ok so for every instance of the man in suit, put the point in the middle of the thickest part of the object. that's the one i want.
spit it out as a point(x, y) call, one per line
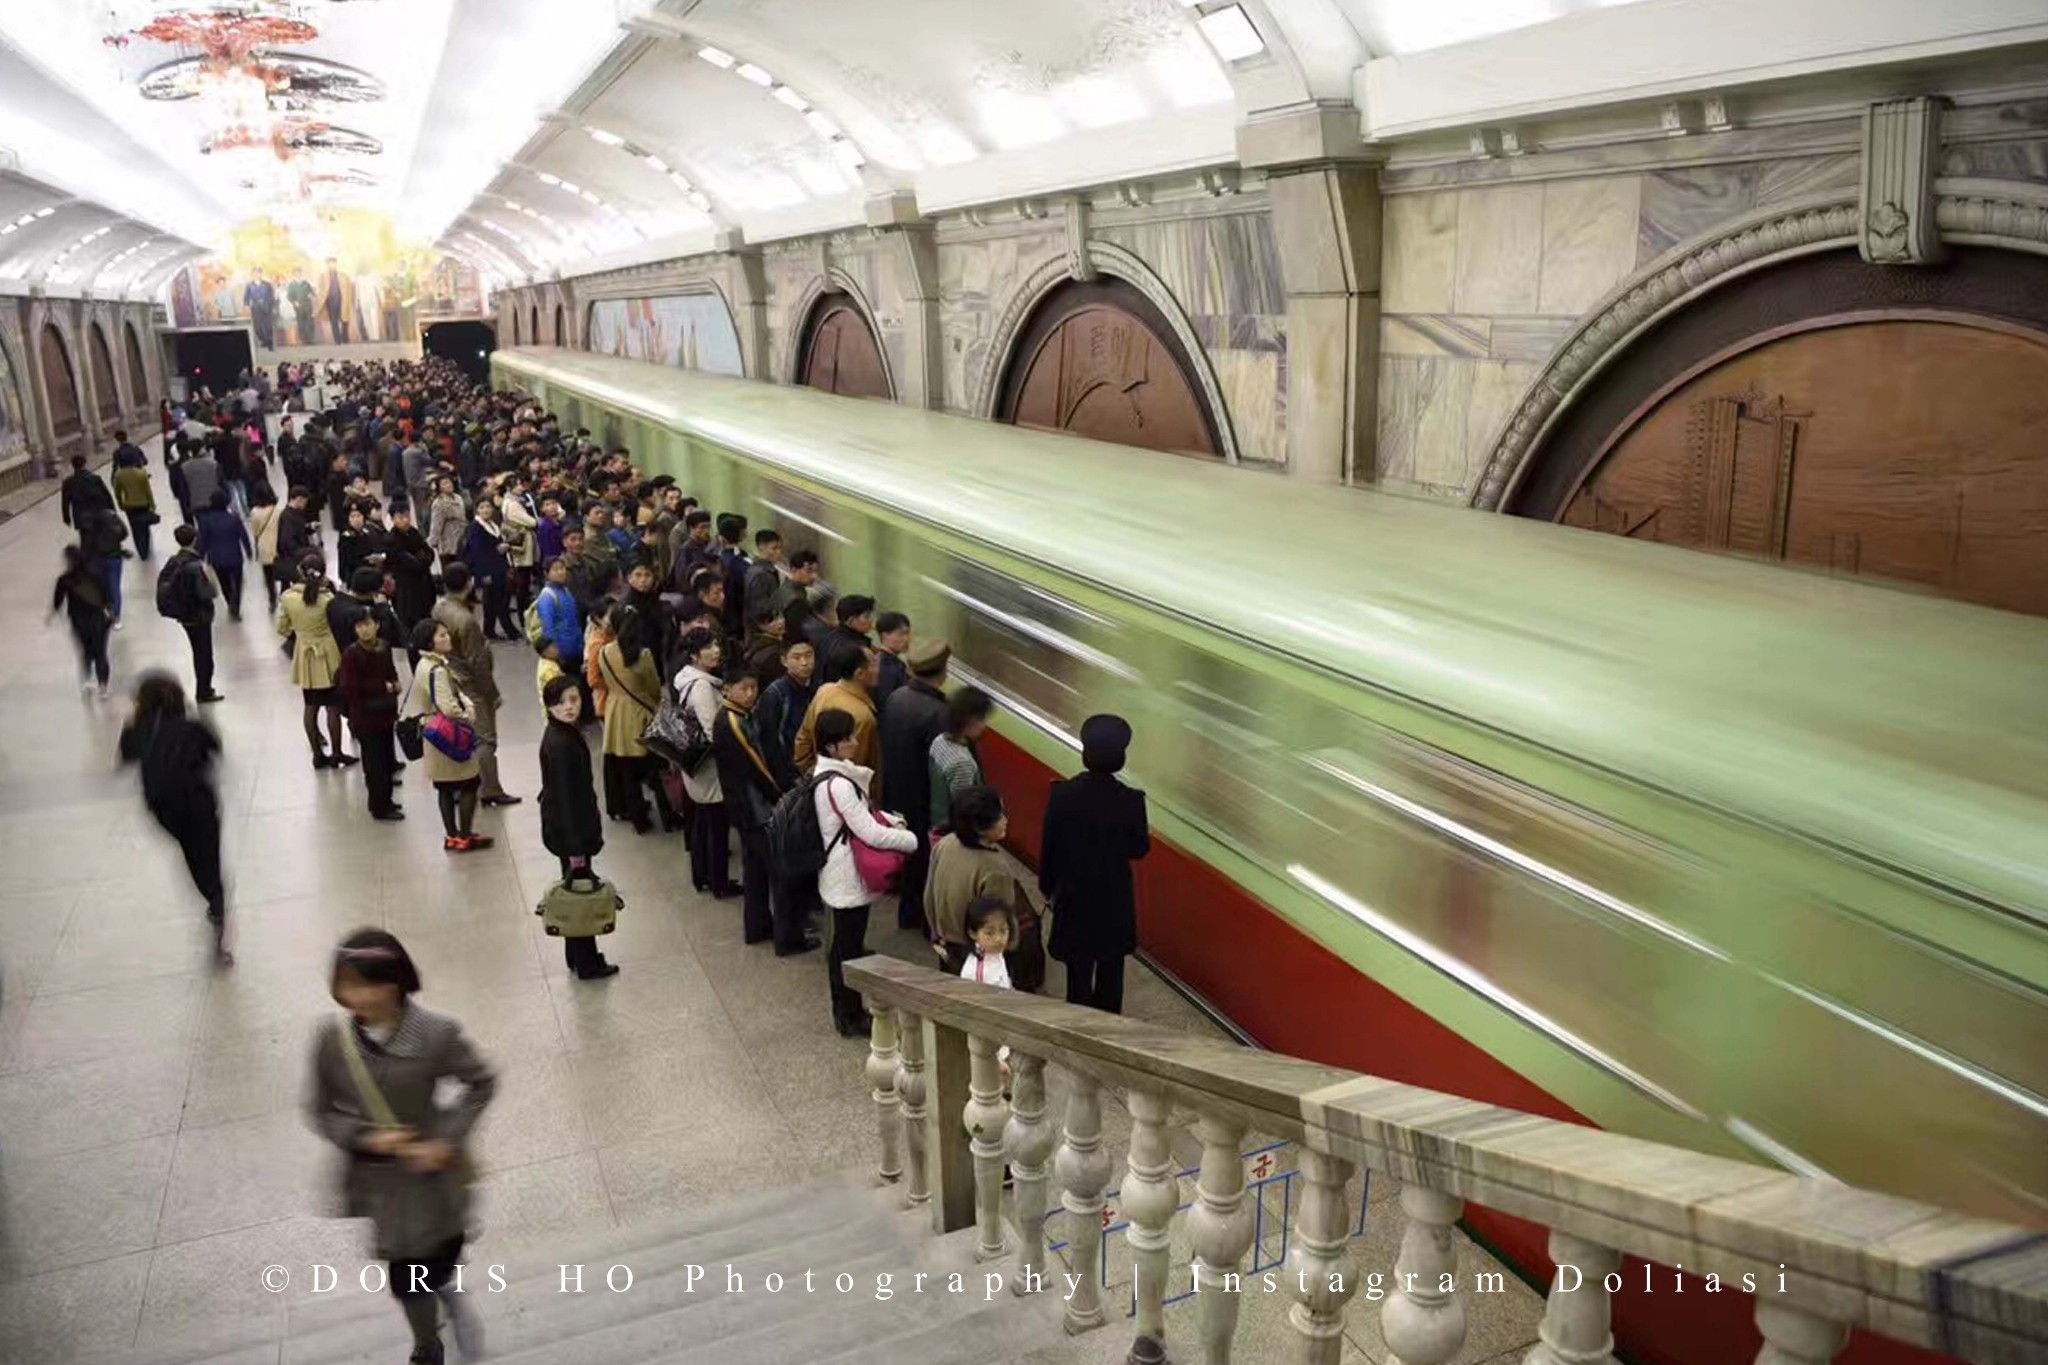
point(337, 300)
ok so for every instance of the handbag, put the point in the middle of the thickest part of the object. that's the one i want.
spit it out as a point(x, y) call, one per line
point(570, 910)
point(879, 869)
point(677, 734)
point(412, 741)
point(374, 1103)
point(456, 739)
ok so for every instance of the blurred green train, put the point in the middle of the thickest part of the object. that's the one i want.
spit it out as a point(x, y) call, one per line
point(1741, 857)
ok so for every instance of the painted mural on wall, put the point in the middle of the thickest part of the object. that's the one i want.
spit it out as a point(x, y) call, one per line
point(343, 279)
point(688, 331)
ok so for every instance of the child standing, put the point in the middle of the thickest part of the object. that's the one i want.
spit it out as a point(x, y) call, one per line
point(549, 669)
point(988, 929)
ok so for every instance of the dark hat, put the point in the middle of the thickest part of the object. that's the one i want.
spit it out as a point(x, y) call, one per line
point(928, 658)
point(1104, 739)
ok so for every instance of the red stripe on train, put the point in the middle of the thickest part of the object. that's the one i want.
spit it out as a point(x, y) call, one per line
point(1297, 997)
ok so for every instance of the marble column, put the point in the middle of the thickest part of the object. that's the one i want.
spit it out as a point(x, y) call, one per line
point(1324, 196)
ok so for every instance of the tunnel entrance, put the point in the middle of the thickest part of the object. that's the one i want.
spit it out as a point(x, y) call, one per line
point(468, 344)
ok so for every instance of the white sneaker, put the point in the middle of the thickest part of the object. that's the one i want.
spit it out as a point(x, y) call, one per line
point(117, 625)
point(106, 694)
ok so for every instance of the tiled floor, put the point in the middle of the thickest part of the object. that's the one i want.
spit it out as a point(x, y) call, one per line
point(152, 1156)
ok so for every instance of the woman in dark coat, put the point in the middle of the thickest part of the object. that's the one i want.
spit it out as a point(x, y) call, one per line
point(1094, 829)
point(378, 1074)
point(570, 826)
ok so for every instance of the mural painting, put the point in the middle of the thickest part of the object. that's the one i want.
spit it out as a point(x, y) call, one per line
point(345, 279)
point(688, 331)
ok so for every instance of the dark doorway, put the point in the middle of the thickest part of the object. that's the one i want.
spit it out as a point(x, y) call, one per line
point(103, 377)
point(561, 326)
point(839, 351)
point(468, 344)
point(60, 389)
point(138, 377)
point(214, 358)
point(1099, 360)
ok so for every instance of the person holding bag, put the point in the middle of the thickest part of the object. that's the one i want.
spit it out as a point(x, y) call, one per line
point(570, 827)
point(444, 715)
point(633, 692)
point(698, 695)
point(853, 834)
point(375, 1073)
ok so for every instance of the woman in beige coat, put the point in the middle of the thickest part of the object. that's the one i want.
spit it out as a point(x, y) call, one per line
point(316, 658)
point(632, 678)
point(456, 780)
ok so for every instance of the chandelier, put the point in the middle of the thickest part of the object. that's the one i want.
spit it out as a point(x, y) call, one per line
point(257, 99)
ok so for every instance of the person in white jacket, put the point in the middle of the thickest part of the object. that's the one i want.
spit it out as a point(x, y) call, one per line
point(843, 816)
point(698, 691)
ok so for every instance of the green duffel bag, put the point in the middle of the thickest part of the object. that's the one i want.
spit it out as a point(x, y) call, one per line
point(582, 907)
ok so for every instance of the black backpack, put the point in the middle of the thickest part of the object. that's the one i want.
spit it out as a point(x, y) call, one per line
point(796, 844)
point(174, 589)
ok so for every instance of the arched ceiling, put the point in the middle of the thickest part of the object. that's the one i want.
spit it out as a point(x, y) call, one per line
point(538, 137)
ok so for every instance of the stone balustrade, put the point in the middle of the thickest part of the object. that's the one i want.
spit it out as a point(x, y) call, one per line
point(1824, 1257)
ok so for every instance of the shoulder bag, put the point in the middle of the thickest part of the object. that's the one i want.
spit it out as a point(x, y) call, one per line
point(677, 734)
point(375, 1106)
point(456, 739)
point(879, 868)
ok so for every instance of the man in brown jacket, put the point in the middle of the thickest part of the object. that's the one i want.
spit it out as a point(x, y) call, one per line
point(853, 693)
point(473, 669)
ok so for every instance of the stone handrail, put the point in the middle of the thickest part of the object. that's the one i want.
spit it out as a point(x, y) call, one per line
point(1965, 1286)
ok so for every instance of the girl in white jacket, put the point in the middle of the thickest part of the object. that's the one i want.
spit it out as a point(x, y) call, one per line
point(698, 689)
point(843, 816)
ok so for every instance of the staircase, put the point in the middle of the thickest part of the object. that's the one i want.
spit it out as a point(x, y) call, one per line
point(672, 1316)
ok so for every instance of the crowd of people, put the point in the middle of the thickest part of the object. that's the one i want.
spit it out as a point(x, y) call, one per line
point(734, 699)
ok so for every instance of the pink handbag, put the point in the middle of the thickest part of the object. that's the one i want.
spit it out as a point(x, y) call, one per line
point(879, 869)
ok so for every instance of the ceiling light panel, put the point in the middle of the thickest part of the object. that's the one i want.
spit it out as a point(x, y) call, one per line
point(749, 72)
point(1231, 33)
point(791, 98)
point(718, 57)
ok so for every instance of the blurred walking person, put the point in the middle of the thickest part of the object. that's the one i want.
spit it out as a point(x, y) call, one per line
point(176, 754)
point(82, 593)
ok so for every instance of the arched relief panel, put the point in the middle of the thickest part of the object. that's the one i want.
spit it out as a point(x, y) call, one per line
point(105, 387)
point(16, 417)
point(838, 347)
point(691, 328)
point(1149, 303)
point(1893, 443)
point(139, 388)
point(62, 399)
point(1097, 360)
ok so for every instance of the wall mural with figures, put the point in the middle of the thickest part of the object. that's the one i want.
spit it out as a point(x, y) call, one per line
point(345, 280)
point(688, 331)
point(13, 421)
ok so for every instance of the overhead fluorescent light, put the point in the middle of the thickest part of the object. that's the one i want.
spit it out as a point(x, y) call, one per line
point(588, 196)
point(699, 200)
point(718, 57)
point(8, 228)
point(749, 72)
point(680, 181)
point(821, 123)
point(1230, 32)
point(513, 204)
point(570, 186)
point(656, 163)
point(547, 179)
point(609, 139)
point(791, 98)
point(46, 212)
point(26, 219)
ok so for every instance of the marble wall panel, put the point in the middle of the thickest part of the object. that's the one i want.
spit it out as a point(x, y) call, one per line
point(1254, 385)
point(1436, 334)
point(2024, 159)
point(1500, 249)
point(1589, 240)
point(1419, 253)
point(1797, 177)
point(976, 279)
point(1422, 417)
point(1497, 388)
point(1679, 205)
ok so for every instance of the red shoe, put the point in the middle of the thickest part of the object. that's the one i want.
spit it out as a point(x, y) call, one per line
point(477, 841)
point(454, 843)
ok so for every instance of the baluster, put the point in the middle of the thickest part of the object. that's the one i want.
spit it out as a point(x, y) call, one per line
point(1322, 1230)
point(881, 1074)
point(1028, 1140)
point(1083, 1168)
point(984, 1117)
point(1795, 1337)
point(1220, 1226)
point(1578, 1316)
point(1424, 1325)
point(1151, 1195)
point(910, 1097)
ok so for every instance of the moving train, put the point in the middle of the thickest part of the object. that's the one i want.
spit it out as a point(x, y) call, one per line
point(1741, 857)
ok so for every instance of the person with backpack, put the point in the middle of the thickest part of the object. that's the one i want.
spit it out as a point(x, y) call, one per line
point(185, 593)
point(176, 755)
point(570, 827)
point(698, 694)
point(846, 822)
point(83, 594)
